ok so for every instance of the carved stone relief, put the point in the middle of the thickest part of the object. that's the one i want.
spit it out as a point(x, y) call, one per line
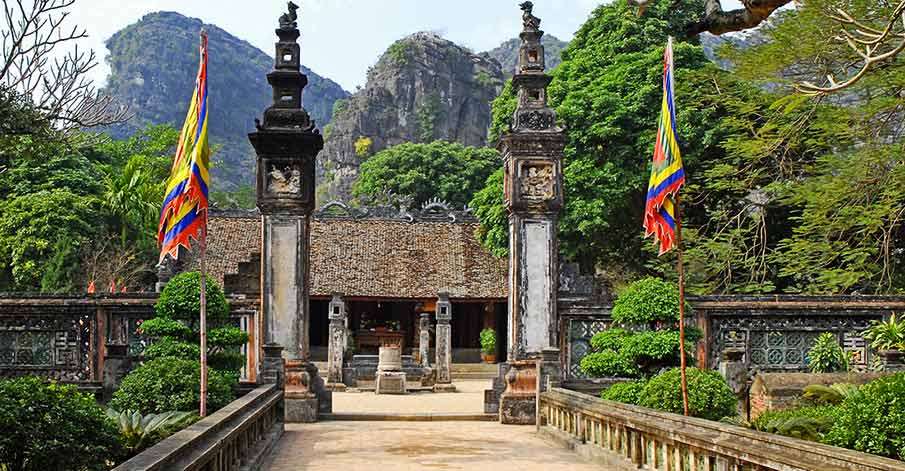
point(537, 182)
point(283, 181)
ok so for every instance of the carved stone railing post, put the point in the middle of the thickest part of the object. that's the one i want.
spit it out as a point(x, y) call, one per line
point(424, 339)
point(273, 365)
point(444, 345)
point(337, 344)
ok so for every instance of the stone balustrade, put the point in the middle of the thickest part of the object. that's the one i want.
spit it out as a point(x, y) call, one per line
point(623, 436)
point(236, 437)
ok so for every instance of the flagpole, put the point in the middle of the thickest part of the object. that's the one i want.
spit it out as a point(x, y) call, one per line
point(203, 283)
point(681, 301)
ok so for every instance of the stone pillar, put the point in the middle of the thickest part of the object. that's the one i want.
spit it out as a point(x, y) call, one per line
point(532, 187)
point(337, 344)
point(444, 345)
point(424, 339)
point(287, 143)
point(735, 370)
point(273, 365)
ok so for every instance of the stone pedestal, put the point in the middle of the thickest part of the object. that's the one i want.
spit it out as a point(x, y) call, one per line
point(424, 339)
point(390, 377)
point(305, 393)
point(273, 365)
point(117, 364)
point(518, 404)
point(444, 346)
point(337, 344)
point(735, 370)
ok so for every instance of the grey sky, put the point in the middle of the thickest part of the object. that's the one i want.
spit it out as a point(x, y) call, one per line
point(342, 38)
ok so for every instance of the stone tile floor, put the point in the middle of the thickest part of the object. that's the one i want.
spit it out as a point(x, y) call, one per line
point(469, 398)
point(405, 446)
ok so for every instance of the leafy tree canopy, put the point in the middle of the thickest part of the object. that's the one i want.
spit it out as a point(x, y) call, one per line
point(446, 170)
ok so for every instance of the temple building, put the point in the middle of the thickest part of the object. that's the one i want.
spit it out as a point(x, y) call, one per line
point(389, 265)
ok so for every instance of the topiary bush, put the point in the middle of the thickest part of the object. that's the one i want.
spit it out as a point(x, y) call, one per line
point(608, 363)
point(181, 299)
point(826, 355)
point(631, 392)
point(709, 397)
point(168, 384)
point(610, 339)
point(51, 426)
point(648, 301)
point(873, 421)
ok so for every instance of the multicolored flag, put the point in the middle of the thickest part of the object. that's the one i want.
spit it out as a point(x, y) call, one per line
point(184, 213)
point(667, 174)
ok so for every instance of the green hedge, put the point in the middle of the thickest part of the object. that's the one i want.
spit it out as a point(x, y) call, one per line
point(608, 363)
point(631, 392)
point(168, 384)
point(709, 397)
point(807, 423)
point(48, 426)
point(873, 421)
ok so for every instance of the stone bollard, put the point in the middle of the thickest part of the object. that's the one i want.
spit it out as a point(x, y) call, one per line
point(336, 344)
point(444, 346)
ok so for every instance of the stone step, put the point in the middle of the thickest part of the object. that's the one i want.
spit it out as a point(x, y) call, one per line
point(422, 417)
point(473, 368)
point(472, 375)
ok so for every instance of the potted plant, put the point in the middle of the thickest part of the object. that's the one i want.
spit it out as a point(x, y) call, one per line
point(488, 345)
point(888, 337)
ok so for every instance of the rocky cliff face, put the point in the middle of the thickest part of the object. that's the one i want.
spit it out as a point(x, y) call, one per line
point(507, 53)
point(423, 88)
point(153, 67)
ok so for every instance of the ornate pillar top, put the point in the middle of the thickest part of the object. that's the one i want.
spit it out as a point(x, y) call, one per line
point(531, 80)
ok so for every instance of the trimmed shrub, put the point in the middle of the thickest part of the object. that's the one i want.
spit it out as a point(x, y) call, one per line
point(170, 347)
point(610, 339)
point(631, 392)
point(180, 298)
point(659, 346)
point(171, 384)
point(826, 356)
point(873, 421)
point(165, 327)
point(608, 363)
point(648, 301)
point(709, 397)
point(52, 426)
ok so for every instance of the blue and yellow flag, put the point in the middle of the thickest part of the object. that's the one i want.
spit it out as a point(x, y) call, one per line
point(184, 213)
point(667, 174)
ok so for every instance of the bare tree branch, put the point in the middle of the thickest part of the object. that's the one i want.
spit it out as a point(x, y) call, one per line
point(871, 44)
point(57, 84)
point(717, 21)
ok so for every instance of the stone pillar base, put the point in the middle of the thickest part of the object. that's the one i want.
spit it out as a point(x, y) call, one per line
point(335, 387)
point(390, 382)
point(518, 409)
point(444, 388)
point(304, 384)
point(300, 408)
point(428, 377)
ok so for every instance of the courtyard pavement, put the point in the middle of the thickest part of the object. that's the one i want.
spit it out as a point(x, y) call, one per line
point(469, 399)
point(410, 446)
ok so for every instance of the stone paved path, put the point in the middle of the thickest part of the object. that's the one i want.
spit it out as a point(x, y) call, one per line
point(469, 399)
point(410, 446)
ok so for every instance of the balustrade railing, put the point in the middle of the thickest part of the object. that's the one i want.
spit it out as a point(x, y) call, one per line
point(237, 437)
point(630, 437)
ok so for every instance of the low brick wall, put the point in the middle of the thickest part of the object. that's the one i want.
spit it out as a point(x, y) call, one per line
point(237, 437)
point(771, 391)
point(622, 436)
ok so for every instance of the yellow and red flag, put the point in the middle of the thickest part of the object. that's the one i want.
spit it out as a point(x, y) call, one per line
point(184, 212)
point(667, 174)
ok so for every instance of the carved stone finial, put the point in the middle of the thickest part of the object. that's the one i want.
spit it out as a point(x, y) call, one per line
point(530, 22)
point(288, 20)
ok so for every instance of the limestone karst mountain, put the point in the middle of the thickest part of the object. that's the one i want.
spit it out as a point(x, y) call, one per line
point(153, 66)
point(507, 53)
point(423, 88)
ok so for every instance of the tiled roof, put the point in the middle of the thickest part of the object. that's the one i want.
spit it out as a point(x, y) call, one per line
point(374, 257)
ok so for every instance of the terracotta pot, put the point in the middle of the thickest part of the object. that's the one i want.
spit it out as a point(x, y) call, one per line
point(488, 357)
